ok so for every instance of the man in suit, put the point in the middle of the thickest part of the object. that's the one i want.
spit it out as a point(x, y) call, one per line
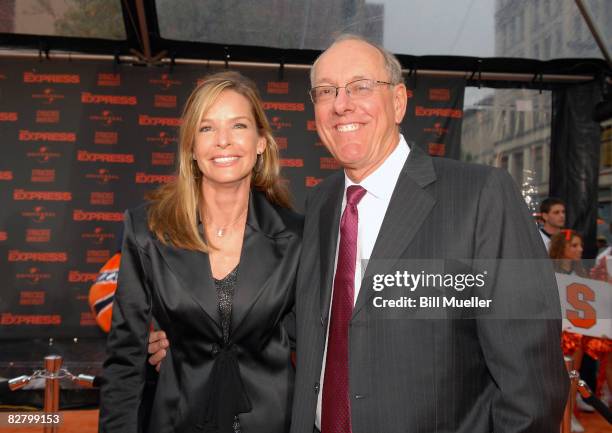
point(364, 368)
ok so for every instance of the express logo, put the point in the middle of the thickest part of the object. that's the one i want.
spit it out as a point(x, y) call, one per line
point(98, 236)
point(6, 175)
point(164, 81)
point(292, 162)
point(146, 120)
point(163, 139)
point(7, 319)
point(32, 77)
point(284, 106)
point(33, 276)
point(38, 214)
point(27, 135)
point(311, 181)
point(437, 129)
point(328, 163)
point(277, 123)
point(103, 176)
point(106, 118)
point(3, 236)
point(91, 98)
point(43, 155)
point(48, 96)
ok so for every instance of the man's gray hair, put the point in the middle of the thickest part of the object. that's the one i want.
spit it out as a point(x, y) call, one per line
point(392, 65)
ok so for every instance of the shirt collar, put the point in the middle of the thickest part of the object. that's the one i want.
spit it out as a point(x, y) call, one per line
point(381, 182)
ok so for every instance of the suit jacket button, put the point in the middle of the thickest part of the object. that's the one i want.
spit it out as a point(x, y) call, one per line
point(215, 349)
point(316, 388)
point(359, 396)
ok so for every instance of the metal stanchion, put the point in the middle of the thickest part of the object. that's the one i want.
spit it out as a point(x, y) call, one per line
point(566, 424)
point(53, 363)
point(52, 373)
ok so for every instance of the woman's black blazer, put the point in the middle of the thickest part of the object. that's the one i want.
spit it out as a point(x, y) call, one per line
point(175, 287)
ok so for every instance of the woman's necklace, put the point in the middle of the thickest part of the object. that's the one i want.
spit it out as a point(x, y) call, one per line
point(221, 231)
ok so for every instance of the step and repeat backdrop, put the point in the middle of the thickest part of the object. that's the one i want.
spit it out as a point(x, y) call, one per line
point(80, 142)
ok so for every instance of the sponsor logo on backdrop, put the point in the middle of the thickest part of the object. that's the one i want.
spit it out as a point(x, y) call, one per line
point(87, 319)
point(93, 98)
point(22, 194)
point(9, 116)
point(31, 298)
point(117, 158)
point(146, 120)
point(81, 277)
point(25, 135)
point(108, 79)
point(98, 236)
point(38, 235)
point(437, 129)
point(164, 101)
point(278, 87)
point(103, 176)
point(97, 256)
point(442, 94)
point(38, 214)
point(311, 125)
point(3, 236)
point(164, 81)
point(281, 142)
point(31, 77)
point(163, 139)
point(48, 96)
point(436, 149)
point(106, 117)
point(81, 215)
point(142, 177)
point(102, 198)
point(33, 276)
point(284, 106)
point(328, 163)
point(42, 175)
point(37, 256)
point(43, 155)
point(47, 116)
point(106, 137)
point(30, 319)
point(277, 123)
point(292, 162)
point(162, 158)
point(454, 113)
point(311, 181)
point(6, 175)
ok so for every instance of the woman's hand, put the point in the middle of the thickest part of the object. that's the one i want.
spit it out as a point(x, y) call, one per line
point(158, 343)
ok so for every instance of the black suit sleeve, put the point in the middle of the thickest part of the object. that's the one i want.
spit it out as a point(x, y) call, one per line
point(520, 339)
point(125, 367)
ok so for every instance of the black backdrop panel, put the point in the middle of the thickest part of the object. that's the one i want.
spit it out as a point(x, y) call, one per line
point(80, 142)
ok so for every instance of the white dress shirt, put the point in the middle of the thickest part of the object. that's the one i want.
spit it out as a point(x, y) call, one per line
point(372, 208)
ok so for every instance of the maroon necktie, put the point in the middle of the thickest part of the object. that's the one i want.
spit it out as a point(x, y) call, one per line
point(336, 407)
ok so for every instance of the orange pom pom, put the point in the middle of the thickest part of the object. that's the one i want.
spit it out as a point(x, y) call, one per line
point(102, 292)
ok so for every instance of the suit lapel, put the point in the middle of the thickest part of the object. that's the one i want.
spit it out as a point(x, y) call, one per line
point(192, 270)
point(409, 206)
point(262, 249)
point(329, 221)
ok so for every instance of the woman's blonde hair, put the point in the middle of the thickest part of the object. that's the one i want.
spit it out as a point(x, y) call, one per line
point(173, 209)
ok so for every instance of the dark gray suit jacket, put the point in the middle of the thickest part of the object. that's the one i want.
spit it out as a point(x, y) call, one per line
point(438, 370)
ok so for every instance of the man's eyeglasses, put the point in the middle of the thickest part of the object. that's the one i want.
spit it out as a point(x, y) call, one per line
point(355, 90)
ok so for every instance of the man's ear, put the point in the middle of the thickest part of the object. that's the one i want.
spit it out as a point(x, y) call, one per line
point(400, 102)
